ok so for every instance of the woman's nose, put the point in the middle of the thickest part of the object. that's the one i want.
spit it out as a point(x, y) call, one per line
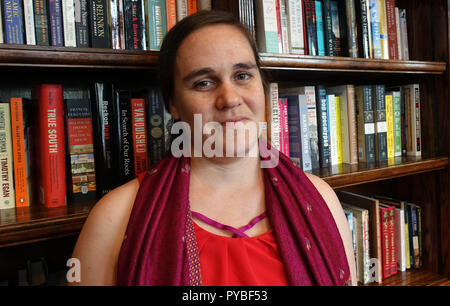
point(228, 97)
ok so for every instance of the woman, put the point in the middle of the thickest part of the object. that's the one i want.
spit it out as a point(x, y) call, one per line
point(182, 223)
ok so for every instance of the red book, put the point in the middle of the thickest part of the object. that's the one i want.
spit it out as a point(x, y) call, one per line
point(391, 29)
point(385, 241)
point(280, 41)
point(139, 135)
point(50, 145)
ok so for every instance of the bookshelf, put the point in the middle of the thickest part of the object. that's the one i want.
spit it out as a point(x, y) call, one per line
point(424, 180)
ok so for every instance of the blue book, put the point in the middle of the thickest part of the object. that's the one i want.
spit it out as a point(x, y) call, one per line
point(322, 126)
point(12, 21)
point(55, 22)
point(319, 28)
point(375, 25)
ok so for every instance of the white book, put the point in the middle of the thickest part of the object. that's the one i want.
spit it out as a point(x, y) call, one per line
point(68, 11)
point(115, 23)
point(294, 12)
point(28, 16)
point(182, 9)
point(284, 27)
point(7, 194)
point(267, 26)
point(274, 117)
point(333, 138)
point(400, 237)
point(404, 34)
point(399, 37)
point(1, 26)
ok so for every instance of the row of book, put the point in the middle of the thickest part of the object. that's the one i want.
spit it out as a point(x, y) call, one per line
point(81, 148)
point(319, 126)
point(117, 24)
point(386, 234)
point(355, 28)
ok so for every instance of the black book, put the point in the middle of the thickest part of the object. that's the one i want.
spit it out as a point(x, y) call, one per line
point(41, 22)
point(363, 28)
point(328, 27)
point(82, 23)
point(98, 24)
point(104, 126)
point(310, 22)
point(155, 127)
point(134, 25)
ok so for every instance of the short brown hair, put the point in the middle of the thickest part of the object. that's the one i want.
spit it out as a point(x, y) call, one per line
point(175, 37)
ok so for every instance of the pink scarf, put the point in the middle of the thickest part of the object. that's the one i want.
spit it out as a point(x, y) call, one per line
point(160, 248)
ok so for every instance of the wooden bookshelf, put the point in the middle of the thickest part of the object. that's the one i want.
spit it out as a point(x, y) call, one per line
point(412, 277)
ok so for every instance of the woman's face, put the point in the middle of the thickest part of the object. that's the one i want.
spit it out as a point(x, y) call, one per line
point(216, 76)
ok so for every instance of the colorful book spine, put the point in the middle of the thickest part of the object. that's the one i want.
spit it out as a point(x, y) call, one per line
point(157, 23)
point(139, 127)
point(28, 17)
point(310, 93)
point(40, 22)
point(352, 125)
point(80, 150)
point(379, 102)
point(400, 238)
point(311, 29)
point(375, 26)
point(284, 126)
point(332, 128)
point(191, 7)
point(19, 126)
point(304, 133)
point(319, 29)
point(390, 127)
point(361, 15)
point(284, 27)
point(391, 29)
point(55, 21)
point(418, 262)
point(294, 11)
point(323, 130)
point(82, 23)
point(98, 24)
point(13, 28)
point(134, 32)
point(335, 27)
point(393, 244)
point(7, 194)
point(396, 107)
point(274, 117)
point(327, 27)
point(366, 124)
point(267, 31)
point(182, 10)
point(352, 30)
point(171, 13)
point(155, 119)
point(115, 24)
point(52, 179)
point(68, 12)
point(295, 140)
point(399, 37)
point(383, 29)
point(338, 129)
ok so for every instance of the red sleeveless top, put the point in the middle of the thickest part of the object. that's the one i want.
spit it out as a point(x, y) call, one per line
point(240, 261)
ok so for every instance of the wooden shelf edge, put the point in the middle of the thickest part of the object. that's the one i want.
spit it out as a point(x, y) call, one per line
point(413, 277)
point(386, 172)
point(49, 56)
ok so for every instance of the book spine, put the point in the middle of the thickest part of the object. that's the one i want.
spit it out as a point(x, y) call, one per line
point(404, 34)
point(383, 29)
point(332, 129)
point(7, 194)
point(80, 150)
point(311, 30)
point(352, 32)
point(182, 10)
point(319, 29)
point(407, 237)
point(171, 13)
point(155, 119)
point(284, 27)
point(327, 27)
point(139, 127)
point(352, 125)
point(267, 31)
point(55, 21)
point(366, 248)
point(12, 21)
point(390, 127)
point(125, 136)
point(285, 126)
point(1, 24)
point(380, 122)
point(304, 133)
point(281, 121)
point(399, 37)
point(385, 241)
point(121, 18)
point(391, 29)
point(415, 238)
point(294, 10)
point(396, 105)
point(28, 15)
point(274, 117)
point(295, 149)
point(52, 181)
point(310, 93)
point(364, 28)
point(335, 26)
point(419, 234)
point(369, 30)
point(40, 22)
point(134, 32)
point(19, 154)
point(98, 24)
point(375, 25)
point(322, 116)
point(81, 23)
point(157, 23)
point(415, 138)
point(392, 236)
point(338, 129)
point(400, 239)
point(68, 12)
point(191, 7)
point(366, 124)
point(115, 24)
point(279, 35)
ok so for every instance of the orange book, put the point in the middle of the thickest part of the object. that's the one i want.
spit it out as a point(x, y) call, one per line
point(192, 7)
point(171, 11)
point(19, 154)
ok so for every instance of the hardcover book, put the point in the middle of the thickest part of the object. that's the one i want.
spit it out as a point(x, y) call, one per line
point(156, 122)
point(68, 12)
point(379, 104)
point(82, 23)
point(267, 26)
point(139, 128)
point(366, 124)
point(98, 24)
point(296, 26)
point(134, 21)
point(28, 17)
point(157, 23)
point(7, 194)
point(322, 126)
point(41, 22)
point(13, 28)
point(55, 21)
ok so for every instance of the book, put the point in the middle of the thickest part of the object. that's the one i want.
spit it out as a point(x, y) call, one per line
point(98, 24)
point(41, 22)
point(28, 18)
point(295, 137)
point(1, 25)
point(335, 26)
point(398, 30)
point(327, 27)
point(82, 23)
point(171, 13)
point(51, 149)
point(390, 127)
point(332, 129)
point(321, 51)
point(397, 120)
point(296, 26)
point(157, 23)
point(81, 181)
point(284, 131)
point(379, 104)
point(337, 104)
point(310, 93)
point(322, 126)
point(7, 193)
point(21, 125)
point(125, 146)
point(352, 29)
point(284, 27)
point(311, 28)
point(391, 29)
point(139, 128)
point(156, 121)
point(413, 224)
point(366, 124)
point(375, 27)
point(13, 29)
point(267, 26)
point(115, 23)
point(403, 34)
point(418, 260)
point(134, 21)
point(68, 13)
point(372, 205)
point(273, 116)
point(182, 9)
point(413, 115)
point(387, 232)
point(383, 29)
point(55, 21)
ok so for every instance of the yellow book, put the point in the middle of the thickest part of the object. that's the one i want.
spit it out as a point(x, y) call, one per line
point(408, 261)
point(338, 129)
point(383, 29)
point(390, 127)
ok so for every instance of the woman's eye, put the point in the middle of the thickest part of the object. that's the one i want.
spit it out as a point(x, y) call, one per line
point(202, 84)
point(243, 76)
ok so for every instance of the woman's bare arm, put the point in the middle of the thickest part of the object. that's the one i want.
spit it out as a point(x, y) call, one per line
point(335, 207)
point(99, 242)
